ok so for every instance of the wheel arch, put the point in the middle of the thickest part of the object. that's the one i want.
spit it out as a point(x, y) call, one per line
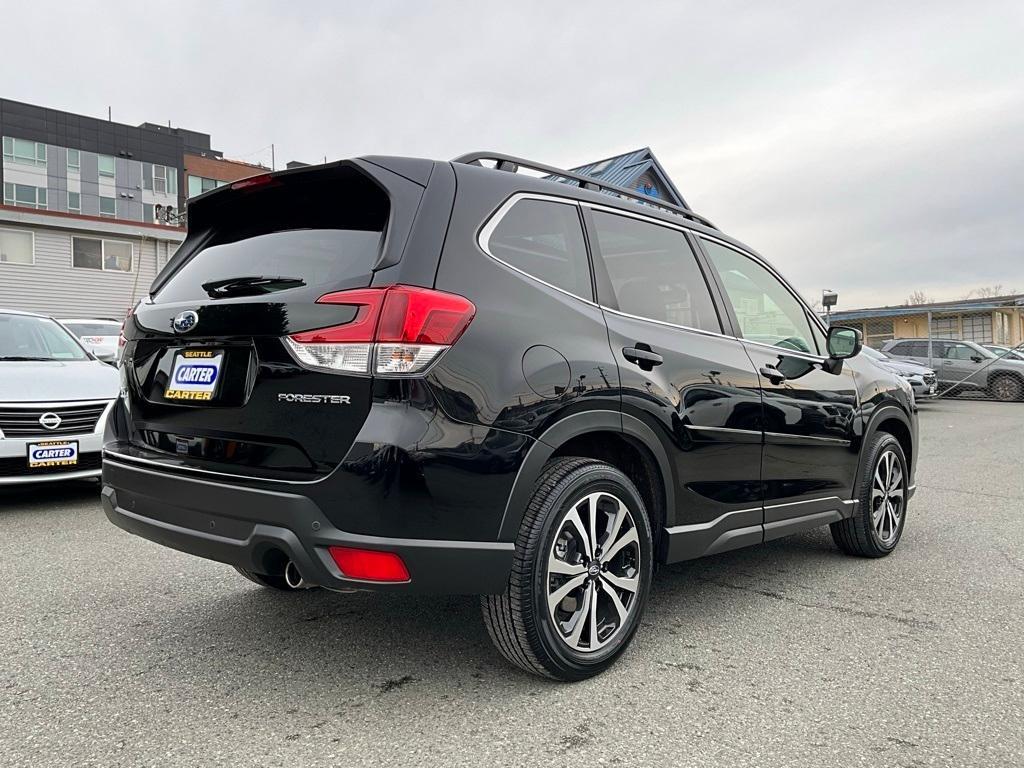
point(621, 440)
point(893, 420)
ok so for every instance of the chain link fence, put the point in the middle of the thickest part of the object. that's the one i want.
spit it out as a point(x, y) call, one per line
point(976, 355)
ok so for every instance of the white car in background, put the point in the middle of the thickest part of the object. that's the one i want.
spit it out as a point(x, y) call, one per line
point(54, 401)
point(98, 335)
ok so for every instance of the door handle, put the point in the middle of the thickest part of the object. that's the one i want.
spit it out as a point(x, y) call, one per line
point(642, 357)
point(774, 375)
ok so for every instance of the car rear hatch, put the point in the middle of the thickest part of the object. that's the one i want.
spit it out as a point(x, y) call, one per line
point(213, 382)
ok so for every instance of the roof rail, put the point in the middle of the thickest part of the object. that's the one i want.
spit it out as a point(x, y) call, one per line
point(513, 164)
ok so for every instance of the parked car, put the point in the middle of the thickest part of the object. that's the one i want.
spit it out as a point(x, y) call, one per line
point(922, 379)
point(437, 377)
point(964, 366)
point(98, 335)
point(54, 397)
point(1010, 353)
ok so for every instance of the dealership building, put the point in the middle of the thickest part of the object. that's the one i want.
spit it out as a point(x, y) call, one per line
point(995, 320)
point(91, 208)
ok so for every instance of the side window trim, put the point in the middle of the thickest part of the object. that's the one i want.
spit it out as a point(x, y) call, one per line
point(484, 235)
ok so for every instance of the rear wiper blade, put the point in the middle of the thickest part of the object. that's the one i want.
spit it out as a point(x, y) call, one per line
point(254, 285)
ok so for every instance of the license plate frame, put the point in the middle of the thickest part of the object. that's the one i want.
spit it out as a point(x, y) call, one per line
point(195, 375)
point(47, 454)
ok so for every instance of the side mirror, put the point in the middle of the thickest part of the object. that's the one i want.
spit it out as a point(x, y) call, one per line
point(843, 343)
point(977, 358)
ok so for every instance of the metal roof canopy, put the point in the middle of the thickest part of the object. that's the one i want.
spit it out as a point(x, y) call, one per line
point(623, 170)
point(969, 305)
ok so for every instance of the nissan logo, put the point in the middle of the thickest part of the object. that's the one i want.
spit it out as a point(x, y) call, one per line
point(185, 322)
point(49, 420)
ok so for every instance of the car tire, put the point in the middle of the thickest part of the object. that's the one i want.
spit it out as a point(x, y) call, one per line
point(271, 581)
point(877, 523)
point(1006, 387)
point(580, 576)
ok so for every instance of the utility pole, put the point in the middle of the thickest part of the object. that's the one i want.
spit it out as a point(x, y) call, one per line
point(273, 162)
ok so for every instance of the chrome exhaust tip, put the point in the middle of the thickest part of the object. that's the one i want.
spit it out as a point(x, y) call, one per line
point(293, 578)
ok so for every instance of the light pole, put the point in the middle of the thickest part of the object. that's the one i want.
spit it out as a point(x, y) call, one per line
point(829, 300)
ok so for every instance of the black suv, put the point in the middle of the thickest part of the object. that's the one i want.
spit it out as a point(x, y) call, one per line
point(456, 377)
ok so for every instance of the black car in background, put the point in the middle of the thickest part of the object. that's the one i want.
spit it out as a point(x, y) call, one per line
point(450, 377)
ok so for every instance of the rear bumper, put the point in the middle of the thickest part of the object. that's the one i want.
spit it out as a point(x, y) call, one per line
point(252, 528)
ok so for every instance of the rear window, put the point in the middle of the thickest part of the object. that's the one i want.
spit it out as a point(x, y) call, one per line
point(94, 329)
point(910, 349)
point(323, 232)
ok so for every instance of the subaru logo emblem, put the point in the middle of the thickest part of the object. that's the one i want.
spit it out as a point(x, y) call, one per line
point(185, 322)
point(49, 420)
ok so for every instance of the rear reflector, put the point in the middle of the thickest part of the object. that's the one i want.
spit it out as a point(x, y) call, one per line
point(402, 327)
point(369, 564)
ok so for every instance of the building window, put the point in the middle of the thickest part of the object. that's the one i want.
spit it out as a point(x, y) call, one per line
point(977, 328)
point(165, 180)
point(24, 151)
point(106, 165)
point(24, 195)
point(147, 213)
point(199, 184)
point(17, 247)
point(106, 255)
point(946, 327)
point(74, 202)
point(74, 160)
point(108, 207)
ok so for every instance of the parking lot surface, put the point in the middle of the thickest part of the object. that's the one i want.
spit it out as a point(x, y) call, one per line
point(116, 651)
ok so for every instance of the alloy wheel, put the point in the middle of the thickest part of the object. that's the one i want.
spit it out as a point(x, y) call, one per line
point(593, 572)
point(888, 495)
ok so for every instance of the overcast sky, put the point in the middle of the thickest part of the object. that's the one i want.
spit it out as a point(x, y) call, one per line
point(873, 149)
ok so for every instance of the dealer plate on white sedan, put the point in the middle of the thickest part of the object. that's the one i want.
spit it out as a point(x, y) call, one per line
point(52, 453)
point(194, 375)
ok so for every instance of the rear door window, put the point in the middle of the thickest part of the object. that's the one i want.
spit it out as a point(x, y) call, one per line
point(653, 272)
point(544, 239)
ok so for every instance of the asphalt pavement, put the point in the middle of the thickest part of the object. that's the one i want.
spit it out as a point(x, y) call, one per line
point(117, 652)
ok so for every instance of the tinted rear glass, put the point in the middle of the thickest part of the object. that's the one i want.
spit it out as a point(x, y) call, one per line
point(314, 257)
point(321, 230)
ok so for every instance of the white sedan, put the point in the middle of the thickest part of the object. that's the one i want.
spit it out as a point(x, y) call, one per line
point(54, 401)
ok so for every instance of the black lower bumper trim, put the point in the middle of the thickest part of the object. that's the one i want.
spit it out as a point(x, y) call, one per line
point(252, 528)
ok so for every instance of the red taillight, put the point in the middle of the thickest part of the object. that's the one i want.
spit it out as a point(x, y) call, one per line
point(263, 180)
point(369, 564)
point(404, 327)
point(423, 316)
